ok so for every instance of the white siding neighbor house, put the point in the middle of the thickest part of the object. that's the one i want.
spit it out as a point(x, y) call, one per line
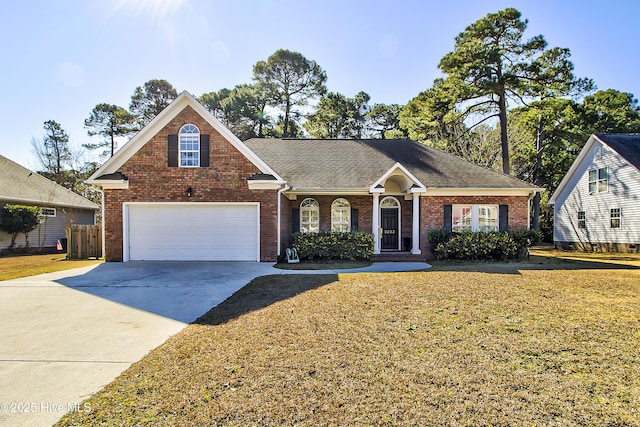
point(597, 204)
point(60, 207)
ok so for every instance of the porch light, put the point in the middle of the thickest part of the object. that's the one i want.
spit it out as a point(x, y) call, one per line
point(189, 191)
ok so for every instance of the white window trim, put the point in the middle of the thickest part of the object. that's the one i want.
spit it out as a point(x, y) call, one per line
point(618, 217)
point(475, 216)
point(180, 150)
point(598, 180)
point(584, 220)
point(345, 207)
point(309, 205)
point(53, 212)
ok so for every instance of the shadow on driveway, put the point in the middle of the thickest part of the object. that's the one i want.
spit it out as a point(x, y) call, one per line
point(181, 291)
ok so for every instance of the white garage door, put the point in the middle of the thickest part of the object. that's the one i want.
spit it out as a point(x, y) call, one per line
point(192, 231)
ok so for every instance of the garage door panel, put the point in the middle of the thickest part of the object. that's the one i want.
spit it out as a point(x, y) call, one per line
point(227, 232)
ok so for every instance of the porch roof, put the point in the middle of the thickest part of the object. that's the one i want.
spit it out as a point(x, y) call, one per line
point(357, 164)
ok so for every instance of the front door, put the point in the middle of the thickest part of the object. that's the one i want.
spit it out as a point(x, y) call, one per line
point(389, 228)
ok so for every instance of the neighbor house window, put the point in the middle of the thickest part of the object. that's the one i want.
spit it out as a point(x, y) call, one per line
point(51, 212)
point(616, 216)
point(189, 146)
point(582, 219)
point(309, 216)
point(340, 216)
point(474, 218)
point(598, 180)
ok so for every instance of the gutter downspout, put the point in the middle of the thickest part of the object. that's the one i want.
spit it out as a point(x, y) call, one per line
point(104, 255)
point(280, 192)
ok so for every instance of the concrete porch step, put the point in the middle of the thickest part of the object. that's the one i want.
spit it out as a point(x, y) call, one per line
point(397, 257)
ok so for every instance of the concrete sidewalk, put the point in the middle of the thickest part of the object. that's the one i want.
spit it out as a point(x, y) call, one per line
point(376, 267)
point(65, 335)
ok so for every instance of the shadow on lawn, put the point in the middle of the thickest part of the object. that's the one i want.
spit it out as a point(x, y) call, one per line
point(263, 292)
point(536, 262)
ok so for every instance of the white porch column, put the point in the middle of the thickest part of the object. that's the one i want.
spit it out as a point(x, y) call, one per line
point(375, 223)
point(415, 239)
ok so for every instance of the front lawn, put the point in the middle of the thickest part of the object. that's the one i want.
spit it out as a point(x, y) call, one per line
point(12, 267)
point(545, 342)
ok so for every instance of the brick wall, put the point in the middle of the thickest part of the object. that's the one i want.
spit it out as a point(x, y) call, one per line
point(151, 180)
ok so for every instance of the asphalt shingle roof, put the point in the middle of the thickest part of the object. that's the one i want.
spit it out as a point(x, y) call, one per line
point(20, 185)
point(357, 164)
point(627, 145)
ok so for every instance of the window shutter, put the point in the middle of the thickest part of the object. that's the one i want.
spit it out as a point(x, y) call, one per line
point(295, 220)
point(503, 218)
point(172, 154)
point(448, 210)
point(204, 151)
point(354, 219)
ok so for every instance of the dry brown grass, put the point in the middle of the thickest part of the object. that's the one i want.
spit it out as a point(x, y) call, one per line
point(531, 344)
point(12, 267)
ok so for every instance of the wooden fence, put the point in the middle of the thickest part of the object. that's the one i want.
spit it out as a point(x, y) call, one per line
point(84, 241)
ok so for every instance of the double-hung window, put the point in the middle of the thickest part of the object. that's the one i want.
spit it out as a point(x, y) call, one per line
point(582, 219)
point(598, 180)
point(189, 146)
point(474, 218)
point(616, 217)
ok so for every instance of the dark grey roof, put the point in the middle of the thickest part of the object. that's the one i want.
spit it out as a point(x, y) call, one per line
point(358, 164)
point(262, 177)
point(118, 176)
point(625, 144)
point(20, 185)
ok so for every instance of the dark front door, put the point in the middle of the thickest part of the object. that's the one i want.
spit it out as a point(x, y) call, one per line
point(389, 228)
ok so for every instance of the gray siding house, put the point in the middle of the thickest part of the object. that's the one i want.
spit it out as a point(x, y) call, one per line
point(60, 206)
point(597, 204)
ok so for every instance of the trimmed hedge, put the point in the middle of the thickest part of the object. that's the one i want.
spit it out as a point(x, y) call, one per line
point(502, 245)
point(334, 246)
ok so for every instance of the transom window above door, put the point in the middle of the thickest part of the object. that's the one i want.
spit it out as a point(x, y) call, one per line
point(389, 202)
point(189, 146)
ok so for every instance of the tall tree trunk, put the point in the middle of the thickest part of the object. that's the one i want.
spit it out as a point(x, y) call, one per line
point(535, 219)
point(504, 140)
point(285, 129)
point(113, 144)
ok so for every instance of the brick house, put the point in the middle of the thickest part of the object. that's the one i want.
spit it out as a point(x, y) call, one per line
point(186, 188)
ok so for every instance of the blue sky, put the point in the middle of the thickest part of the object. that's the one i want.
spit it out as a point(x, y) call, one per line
point(60, 58)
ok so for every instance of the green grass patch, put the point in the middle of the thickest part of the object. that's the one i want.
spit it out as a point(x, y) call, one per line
point(13, 267)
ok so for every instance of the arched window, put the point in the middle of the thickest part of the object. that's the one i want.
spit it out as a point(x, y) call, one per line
point(309, 216)
point(340, 216)
point(189, 146)
point(389, 202)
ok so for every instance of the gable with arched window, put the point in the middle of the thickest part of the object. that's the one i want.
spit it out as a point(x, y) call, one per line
point(341, 216)
point(309, 216)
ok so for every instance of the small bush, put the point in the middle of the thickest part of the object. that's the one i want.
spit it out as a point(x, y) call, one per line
point(438, 236)
point(503, 245)
point(334, 246)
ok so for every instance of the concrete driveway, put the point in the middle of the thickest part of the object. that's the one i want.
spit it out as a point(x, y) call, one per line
point(65, 335)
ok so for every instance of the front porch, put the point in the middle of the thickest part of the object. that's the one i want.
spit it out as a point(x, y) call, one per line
point(397, 257)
